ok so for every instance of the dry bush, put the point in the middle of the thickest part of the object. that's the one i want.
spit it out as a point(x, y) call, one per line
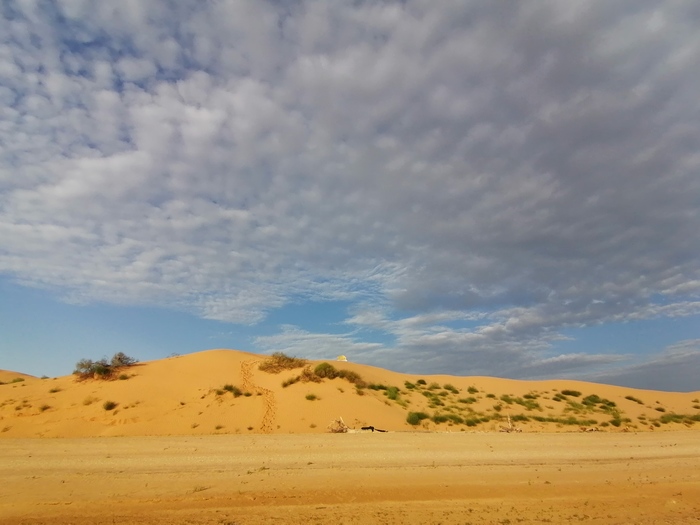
point(279, 361)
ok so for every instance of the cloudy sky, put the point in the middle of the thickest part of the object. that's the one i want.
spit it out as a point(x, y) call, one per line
point(474, 188)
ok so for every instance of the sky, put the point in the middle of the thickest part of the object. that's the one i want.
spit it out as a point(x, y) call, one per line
point(475, 187)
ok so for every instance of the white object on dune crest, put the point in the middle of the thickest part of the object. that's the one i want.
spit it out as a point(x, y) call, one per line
point(341, 358)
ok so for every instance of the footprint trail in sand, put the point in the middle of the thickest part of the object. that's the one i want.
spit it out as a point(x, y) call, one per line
point(270, 407)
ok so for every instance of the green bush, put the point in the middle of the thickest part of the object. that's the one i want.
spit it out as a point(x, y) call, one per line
point(572, 393)
point(450, 388)
point(312, 397)
point(326, 370)
point(103, 369)
point(414, 418)
point(392, 393)
point(474, 390)
point(109, 405)
point(421, 382)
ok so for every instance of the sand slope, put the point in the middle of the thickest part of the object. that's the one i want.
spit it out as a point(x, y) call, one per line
point(185, 395)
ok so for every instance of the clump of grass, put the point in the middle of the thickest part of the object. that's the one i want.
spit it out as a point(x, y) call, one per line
point(326, 370)
point(492, 396)
point(636, 400)
point(123, 377)
point(468, 400)
point(571, 420)
point(290, 381)
point(474, 390)
point(233, 389)
point(109, 405)
point(572, 393)
point(392, 393)
point(433, 386)
point(660, 409)
point(279, 361)
point(44, 408)
point(679, 418)
point(409, 385)
point(421, 382)
point(89, 400)
point(17, 380)
point(54, 390)
point(450, 388)
point(312, 397)
point(218, 427)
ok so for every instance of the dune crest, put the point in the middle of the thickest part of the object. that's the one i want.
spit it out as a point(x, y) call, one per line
point(225, 392)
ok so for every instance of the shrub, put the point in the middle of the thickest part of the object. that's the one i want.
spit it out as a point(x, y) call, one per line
point(103, 369)
point(660, 409)
point(450, 388)
point(572, 393)
point(409, 385)
point(44, 408)
point(474, 390)
point(121, 360)
point(636, 400)
point(421, 382)
point(414, 418)
point(492, 396)
point(373, 386)
point(433, 386)
point(439, 418)
point(351, 377)
point(17, 380)
point(109, 405)
point(311, 397)
point(392, 393)
point(468, 400)
point(290, 381)
point(54, 390)
point(326, 370)
point(280, 361)
point(123, 377)
point(233, 389)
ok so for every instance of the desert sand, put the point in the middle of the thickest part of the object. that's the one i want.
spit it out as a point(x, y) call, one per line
point(210, 438)
point(417, 478)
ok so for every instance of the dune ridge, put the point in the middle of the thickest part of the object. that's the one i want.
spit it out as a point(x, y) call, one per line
point(224, 392)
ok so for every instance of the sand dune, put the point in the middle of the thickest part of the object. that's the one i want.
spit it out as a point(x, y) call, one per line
point(185, 395)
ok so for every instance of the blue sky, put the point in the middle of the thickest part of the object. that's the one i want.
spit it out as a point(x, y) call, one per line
point(427, 187)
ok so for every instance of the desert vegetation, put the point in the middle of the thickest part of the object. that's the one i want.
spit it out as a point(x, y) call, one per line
point(104, 368)
point(278, 362)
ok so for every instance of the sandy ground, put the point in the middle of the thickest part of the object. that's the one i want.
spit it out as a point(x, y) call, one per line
point(421, 478)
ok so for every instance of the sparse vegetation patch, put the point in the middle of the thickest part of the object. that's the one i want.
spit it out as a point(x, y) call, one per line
point(103, 369)
point(279, 361)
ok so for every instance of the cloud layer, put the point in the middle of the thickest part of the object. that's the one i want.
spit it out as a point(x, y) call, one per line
point(473, 180)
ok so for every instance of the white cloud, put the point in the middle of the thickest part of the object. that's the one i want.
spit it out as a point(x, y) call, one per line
point(526, 173)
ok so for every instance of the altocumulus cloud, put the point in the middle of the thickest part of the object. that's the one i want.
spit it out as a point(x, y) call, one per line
point(472, 178)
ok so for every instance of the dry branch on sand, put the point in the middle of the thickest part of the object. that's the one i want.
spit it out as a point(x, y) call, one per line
point(338, 426)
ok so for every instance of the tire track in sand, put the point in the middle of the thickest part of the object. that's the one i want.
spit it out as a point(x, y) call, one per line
point(270, 406)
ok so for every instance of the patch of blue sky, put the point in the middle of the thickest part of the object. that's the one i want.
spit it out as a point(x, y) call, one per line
point(44, 336)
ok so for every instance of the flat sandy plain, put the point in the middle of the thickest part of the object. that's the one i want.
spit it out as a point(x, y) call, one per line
point(396, 477)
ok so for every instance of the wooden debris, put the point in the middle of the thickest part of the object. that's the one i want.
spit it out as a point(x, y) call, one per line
point(338, 426)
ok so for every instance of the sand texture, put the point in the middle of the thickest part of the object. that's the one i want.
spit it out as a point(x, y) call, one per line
point(416, 478)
